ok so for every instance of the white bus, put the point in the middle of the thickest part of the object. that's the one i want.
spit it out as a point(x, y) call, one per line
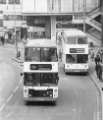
point(75, 51)
point(40, 71)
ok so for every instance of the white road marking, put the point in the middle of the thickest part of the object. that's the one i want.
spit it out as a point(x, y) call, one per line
point(94, 116)
point(74, 110)
point(9, 114)
point(0, 89)
point(15, 89)
point(102, 104)
point(2, 107)
point(9, 98)
point(20, 82)
point(98, 115)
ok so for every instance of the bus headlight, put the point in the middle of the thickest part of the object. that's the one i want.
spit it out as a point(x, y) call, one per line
point(86, 66)
point(50, 92)
point(55, 90)
point(55, 93)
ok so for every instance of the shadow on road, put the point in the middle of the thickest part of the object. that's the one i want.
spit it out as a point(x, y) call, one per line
point(36, 103)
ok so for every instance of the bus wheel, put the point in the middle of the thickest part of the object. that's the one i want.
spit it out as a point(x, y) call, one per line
point(54, 103)
point(26, 102)
point(85, 73)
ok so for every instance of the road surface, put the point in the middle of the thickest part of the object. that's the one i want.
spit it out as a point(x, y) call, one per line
point(78, 97)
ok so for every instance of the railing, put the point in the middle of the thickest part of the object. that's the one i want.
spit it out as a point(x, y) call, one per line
point(96, 23)
point(96, 34)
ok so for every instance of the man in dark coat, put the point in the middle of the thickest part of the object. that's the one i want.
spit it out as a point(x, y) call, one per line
point(97, 59)
point(2, 40)
point(98, 69)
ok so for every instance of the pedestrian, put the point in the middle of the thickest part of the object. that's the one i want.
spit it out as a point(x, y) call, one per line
point(92, 55)
point(101, 55)
point(98, 69)
point(97, 59)
point(6, 37)
point(18, 54)
point(2, 40)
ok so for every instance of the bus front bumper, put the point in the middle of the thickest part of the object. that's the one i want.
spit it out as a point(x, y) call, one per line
point(76, 70)
point(41, 99)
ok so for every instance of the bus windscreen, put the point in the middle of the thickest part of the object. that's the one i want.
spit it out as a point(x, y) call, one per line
point(40, 79)
point(76, 40)
point(76, 58)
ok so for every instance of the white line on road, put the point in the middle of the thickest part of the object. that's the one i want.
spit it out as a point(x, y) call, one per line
point(2, 107)
point(74, 110)
point(14, 91)
point(9, 114)
point(20, 82)
point(98, 110)
point(94, 116)
point(102, 104)
point(9, 98)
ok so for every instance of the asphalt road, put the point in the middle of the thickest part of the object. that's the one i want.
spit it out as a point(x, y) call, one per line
point(78, 97)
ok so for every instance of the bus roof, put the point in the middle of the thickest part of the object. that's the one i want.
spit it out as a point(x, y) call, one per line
point(40, 43)
point(74, 32)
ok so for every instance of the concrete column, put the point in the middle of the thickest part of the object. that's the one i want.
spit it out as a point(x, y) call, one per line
point(53, 28)
point(48, 28)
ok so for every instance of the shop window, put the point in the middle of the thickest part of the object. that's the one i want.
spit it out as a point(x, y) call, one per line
point(2, 1)
point(1, 23)
point(14, 1)
point(13, 17)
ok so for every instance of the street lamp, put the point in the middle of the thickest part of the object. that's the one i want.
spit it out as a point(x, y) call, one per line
point(84, 15)
point(102, 20)
point(15, 30)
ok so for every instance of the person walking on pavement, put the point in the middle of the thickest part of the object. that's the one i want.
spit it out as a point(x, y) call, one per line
point(2, 40)
point(97, 59)
point(98, 69)
point(6, 37)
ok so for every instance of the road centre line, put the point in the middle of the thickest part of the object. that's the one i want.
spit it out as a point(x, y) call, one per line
point(9, 98)
point(9, 114)
point(2, 107)
point(14, 91)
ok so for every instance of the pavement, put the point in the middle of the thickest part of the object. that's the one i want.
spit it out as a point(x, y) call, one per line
point(98, 84)
point(9, 73)
point(20, 48)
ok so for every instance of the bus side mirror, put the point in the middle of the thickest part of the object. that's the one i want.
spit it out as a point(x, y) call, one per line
point(21, 74)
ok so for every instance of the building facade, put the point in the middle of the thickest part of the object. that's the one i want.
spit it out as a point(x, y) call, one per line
point(51, 16)
point(44, 18)
point(11, 17)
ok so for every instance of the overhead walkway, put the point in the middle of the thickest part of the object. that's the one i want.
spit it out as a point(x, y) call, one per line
point(93, 23)
point(90, 19)
point(93, 20)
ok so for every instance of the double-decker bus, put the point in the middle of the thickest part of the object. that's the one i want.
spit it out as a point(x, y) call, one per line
point(40, 71)
point(75, 51)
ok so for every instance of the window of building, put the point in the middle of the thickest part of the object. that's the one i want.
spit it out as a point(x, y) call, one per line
point(2, 1)
point(13, 17)
point(17, 1)
point(14, 1)
point(1, 23)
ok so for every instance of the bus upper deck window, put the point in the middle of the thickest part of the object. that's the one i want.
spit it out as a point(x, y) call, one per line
point(82, 40)
point(71, 40)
